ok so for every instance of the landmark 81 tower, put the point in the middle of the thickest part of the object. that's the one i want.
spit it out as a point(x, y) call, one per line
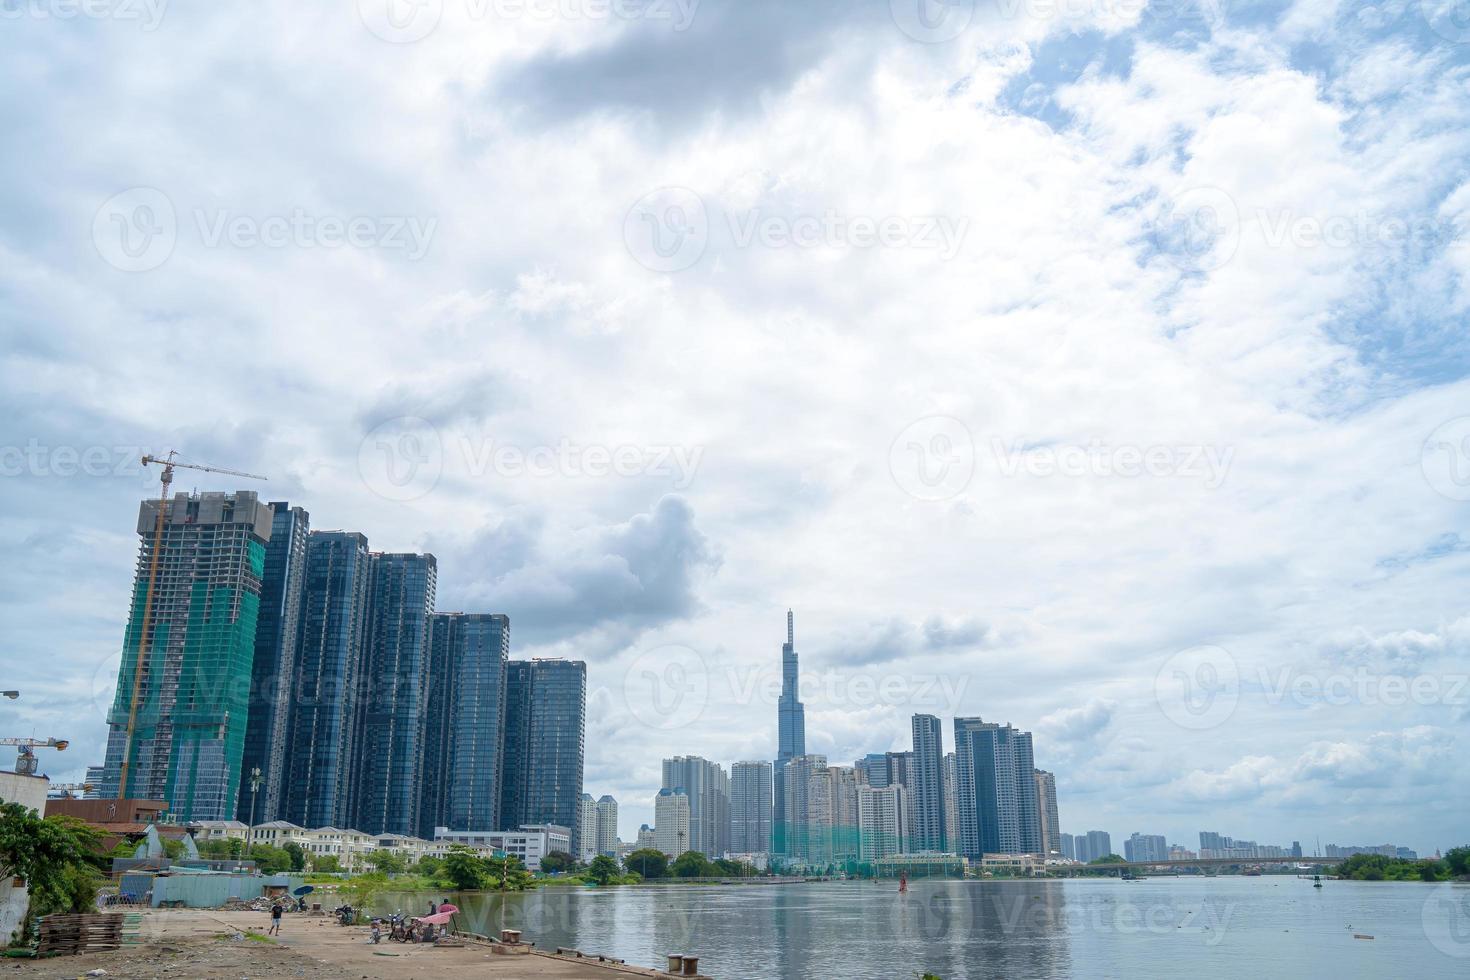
point(791, 732)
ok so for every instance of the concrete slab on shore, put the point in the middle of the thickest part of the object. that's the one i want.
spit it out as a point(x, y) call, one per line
point(187, 943)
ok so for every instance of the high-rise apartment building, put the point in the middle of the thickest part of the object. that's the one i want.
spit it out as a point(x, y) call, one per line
point(951, 804)
point(465, 717)
point(805, 823)
point(1092, 845)
point(927, 779)
point(1046, 806)
point(393, 697)
point(544, 743)
point(998, 806)
point(844, 821)
point(882, 821)
point(750, 807)
point(671, 822)
point(324, 692)
point(273, 671)
point(790, 734)
point(1068, 845)
point(708, 789)
point(875, 767)
point(1145, 847)
point(190, 643)
point(607, 826)
point(587, 819)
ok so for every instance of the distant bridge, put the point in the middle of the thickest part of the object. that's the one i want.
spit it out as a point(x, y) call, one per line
point(1194, 863)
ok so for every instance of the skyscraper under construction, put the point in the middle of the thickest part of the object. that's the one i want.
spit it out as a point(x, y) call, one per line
point(190, 644)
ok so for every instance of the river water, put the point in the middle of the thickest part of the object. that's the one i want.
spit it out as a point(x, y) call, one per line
point(1193, 927)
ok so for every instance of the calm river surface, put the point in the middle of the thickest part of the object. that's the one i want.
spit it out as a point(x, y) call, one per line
point(1272, 926)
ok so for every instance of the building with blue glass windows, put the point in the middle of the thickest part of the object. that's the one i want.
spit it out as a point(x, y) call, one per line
point(324, 718)
point(277, 635)
point(463, 747)
point(393, 694)
point(544, 744)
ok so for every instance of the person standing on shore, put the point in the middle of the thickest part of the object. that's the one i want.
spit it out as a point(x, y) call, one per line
point(275, 929)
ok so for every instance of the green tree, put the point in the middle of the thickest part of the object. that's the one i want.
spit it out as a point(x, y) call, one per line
point(297, 855)
point(691, 864)
point(55, 856)
point(649, 863)
point(556, 862)
point(362, 889)
point(602, 870)
point(464, 869)
point(389, 862)
point(429, 867)
point(225, 849)
point(1457, 860)
point(269, 860)
point(326, 863)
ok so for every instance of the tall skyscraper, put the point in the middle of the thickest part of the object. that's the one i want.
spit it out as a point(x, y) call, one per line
point(196, 628)
point(1068, 845)
point(998, 807)
point(324, 694)
point(1046, 803)
point(671, 822)
point(928, 782)
point(607, 825)
point(277, 632)
point(791, 732)
point(750, 807)
point(708, 789)
point(803, 820)
point(463, 753)
point(545, 743)
point(393, 695)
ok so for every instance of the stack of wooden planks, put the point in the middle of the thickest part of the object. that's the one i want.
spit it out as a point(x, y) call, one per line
point(68, 935)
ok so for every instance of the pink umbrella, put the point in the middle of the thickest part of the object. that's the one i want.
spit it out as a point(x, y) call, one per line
point(439, 918)
point(446, 907)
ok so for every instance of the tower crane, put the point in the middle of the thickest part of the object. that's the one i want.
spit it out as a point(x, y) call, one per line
point(25, 761)
point(166, 479)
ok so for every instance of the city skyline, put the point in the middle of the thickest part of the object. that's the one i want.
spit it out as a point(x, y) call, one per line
point(931, 826)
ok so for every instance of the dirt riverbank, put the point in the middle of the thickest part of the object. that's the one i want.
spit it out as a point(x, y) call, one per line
point(188, 944)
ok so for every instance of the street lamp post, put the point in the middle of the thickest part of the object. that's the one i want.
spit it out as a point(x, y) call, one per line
point(254, 788)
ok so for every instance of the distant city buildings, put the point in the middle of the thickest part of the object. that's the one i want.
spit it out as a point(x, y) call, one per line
point(1092, 845)
point(707, 786)
point(1215, 845)
point(1383, 850)
point(1145, 847)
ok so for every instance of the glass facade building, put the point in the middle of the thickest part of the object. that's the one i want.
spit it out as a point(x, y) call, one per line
point(277, 633)
point(393, 694)
point(544, 744)
point(461, 771)
point(790, 734)
point(998, 807)
point(323, 724)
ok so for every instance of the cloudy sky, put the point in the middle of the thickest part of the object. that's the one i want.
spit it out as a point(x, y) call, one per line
point(1094, 366)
